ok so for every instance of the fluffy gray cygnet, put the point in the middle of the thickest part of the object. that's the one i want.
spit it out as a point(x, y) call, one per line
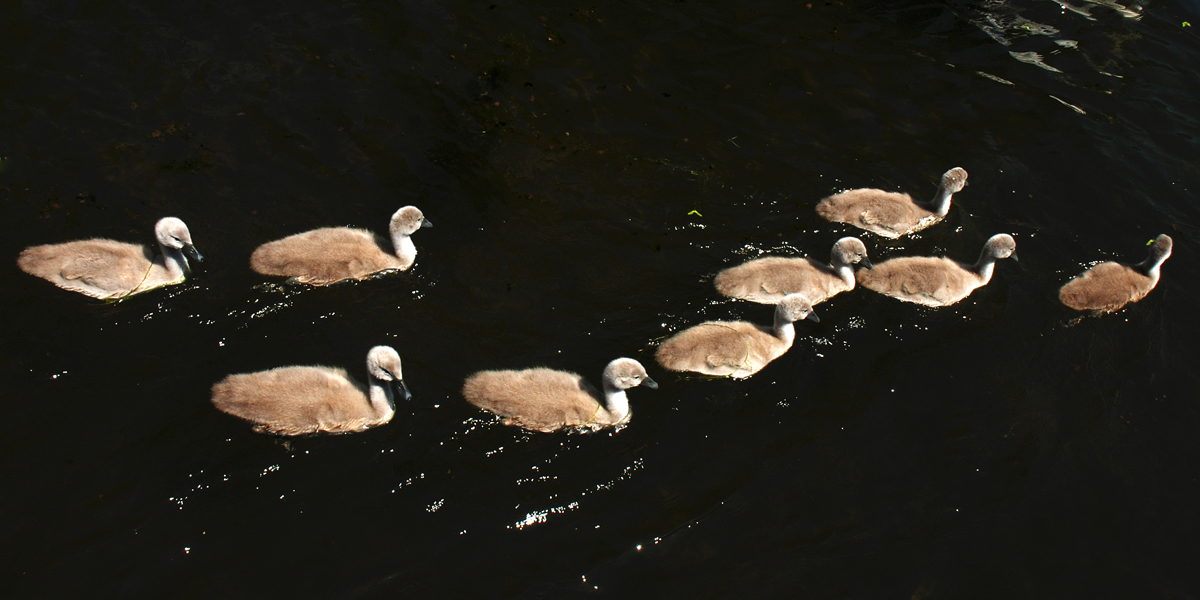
point(937, 281)
point(331, 254)
point(111, 270)
point(302, 400)
point(890, 214)
point(735, 349)
point(768, 280)
point(1109, 286)
point(547, 400)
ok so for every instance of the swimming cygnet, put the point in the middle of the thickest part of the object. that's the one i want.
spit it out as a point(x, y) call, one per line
point(735, 348)
point(108, 269)
point(1108, 286)
point(547, 400)
point(768, 280)
point(937, 281)
point(300, 400)
point(890, 214)
point(332, 254)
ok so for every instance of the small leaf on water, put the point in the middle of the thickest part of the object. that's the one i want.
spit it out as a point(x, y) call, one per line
point(695, 212)
point(1186, 24)
point(1149, 242)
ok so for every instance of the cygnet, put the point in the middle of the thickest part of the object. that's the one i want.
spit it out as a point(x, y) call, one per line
point(768, 280)
point(547, 400)
point(302, 400)
point(1108, 286)
point(735, 348)
point(331, 254)
point(112, 270)
point(889, 214)
point(937, 281)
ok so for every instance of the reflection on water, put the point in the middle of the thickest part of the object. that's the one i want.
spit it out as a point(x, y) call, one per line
point(1005, 23)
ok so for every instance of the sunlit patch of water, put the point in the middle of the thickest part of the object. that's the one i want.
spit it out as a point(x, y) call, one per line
point(895, 331)
point(539, 478)
point(480, 423)
point(1004, 23)
point(540, 516)
point(198, 484)
point(1033, 58)
point(277, 298)
point(408, 482)
point(995, 78)
point(1132, 10)
point(626, 473)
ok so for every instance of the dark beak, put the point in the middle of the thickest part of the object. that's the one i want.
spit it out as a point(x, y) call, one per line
point(866, 262)
point(401, 389)
point(426, 223)
point(193, 252)
point(812, 316)
point(650, 383)
point(1014, 257)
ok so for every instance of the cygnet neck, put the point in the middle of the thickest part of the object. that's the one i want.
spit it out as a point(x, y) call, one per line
point(174, 261)
point(406, 251)
point(844, 270)
point(380, 395)
point(1149, 267)
point(941, 200)
point(615, 402)
point(986, 265)
point(785, 329)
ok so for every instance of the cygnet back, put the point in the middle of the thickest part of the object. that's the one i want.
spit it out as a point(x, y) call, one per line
point(1109, 286)
point(548, 400)
point(303, 400)
point(331, 254)
point(734, 348)
point(936, 281)
point(768, 280)
point(890, 214)
point(111, 270)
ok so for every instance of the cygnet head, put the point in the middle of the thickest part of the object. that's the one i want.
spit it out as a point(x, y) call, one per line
point(172, 233)
point(795, 307)
point(1000, 246)
point(1160, 249)
point(625, 373)
point(954, 180)
point(407, 221)
point(850, 251)
point(383, 363)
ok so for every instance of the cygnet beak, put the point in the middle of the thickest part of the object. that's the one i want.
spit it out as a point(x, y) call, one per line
point(866, 262)
point(193, 252)
point(1014, 257)
point(426, 222)
point(812, 316)
point(650, 383)
point(402, 389)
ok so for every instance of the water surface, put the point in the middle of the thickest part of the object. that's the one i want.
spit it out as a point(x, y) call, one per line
point(588, 169)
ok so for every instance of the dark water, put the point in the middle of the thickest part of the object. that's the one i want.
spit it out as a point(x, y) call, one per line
point(588, 168)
